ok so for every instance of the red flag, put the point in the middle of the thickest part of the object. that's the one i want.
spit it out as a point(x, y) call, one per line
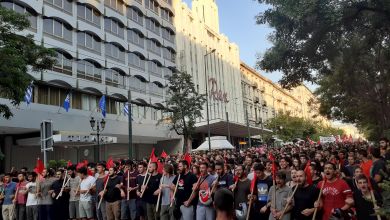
point(85, 163)
point(153, 157)
point(309, 178)
point(253, 182)
point(110, 163)
point(79, 165)
point(164, 155)
point(318, 142)
point(160, 167)
point(69, 164)
point(311, 142)
point(271, 157)
point(188, 158)
point(39, 166)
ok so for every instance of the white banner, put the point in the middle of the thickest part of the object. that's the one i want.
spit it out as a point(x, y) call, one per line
point(330, 139)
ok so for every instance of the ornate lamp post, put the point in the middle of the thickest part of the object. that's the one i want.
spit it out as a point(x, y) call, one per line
point(100, 125)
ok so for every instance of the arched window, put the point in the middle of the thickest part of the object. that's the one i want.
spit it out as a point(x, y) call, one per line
point(65, 5)
point(32, 15)
point(89, 14)
point(135, 15)
point(115, 52)
point(154, 47)
point(89, 41)
point(137, 84)
point(115, 78)
point(137, 61)
point(135, 37)
point(63, 63)
point(89, 71)
point(58, 29)
point(114, 27)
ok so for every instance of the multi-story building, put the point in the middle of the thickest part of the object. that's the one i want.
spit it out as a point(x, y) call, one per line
point(104, 47)
point(264, 99)
point(213, 61)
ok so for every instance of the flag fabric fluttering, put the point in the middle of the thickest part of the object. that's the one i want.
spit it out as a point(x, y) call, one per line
point(309, 178)
point(39, 166)
point(102, 105)
point(164, 155)
point(153, 157)
point(110, 163)
point(69, 164)
point(160, 167)
point(29, 93)
point(187, 157)
point(274, 168)
point(253, 182)
point(66, 104)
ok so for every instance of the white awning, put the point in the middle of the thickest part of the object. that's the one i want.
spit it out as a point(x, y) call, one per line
point(217, 143)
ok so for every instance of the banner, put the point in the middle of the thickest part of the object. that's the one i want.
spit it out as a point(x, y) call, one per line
point(330, 139)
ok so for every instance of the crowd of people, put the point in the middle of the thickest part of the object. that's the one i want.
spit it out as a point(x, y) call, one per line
point(298, 181)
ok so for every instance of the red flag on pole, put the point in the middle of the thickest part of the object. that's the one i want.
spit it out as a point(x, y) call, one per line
point(39, 166)
point(309, 178)
point(153, 157)
point(110, 163)
point(160, 167)
point(253, 182)
point(79, 165)
point(69, 164)
point(188, 158)
point(164, 155)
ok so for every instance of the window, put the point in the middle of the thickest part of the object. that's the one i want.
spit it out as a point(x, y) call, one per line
point(66, 5)
point(166, 15)
point(58, 29)
point(135, 15)
point(137, 84)
point(112, 106)
point(89, 71)
point(154, 68)
point(115, 52)
point(51, 95)
point(167, 72)
point(32, 17)
point(135, 38)
point(155, 89)
point(114, 27)
point(152, 25)
point(114, 78)
point(152, 5)
point(63, 64)
point(154, 46)
point(117, 5)
point(89, 14)
point(168, 54)
point(168, 1)
point(89, 41)
point(168, 35)
point(136, 61)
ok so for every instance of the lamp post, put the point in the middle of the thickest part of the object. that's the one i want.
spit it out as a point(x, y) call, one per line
point(100, 125)
point(207, 95)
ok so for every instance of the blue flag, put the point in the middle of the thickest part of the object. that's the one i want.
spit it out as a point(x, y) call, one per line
point(126, 108)
point(102, 105)
point(29, 93)
point(67, 103)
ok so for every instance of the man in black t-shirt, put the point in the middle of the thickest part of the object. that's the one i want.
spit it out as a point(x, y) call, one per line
point(113, 194)
point(141, 205)
point(304, 198)
point(150, 192)
point(224, 180)
point(184, 190)
point(128, 206)
point(263, 184)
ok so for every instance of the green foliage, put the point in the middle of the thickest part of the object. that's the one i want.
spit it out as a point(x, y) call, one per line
point(287, 128)
point(344, 47)
point(18, 54)
point(57, 164)
point(184, 105)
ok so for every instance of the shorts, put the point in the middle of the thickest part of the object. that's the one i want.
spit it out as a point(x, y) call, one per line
point(74, 209)
point(85, 209)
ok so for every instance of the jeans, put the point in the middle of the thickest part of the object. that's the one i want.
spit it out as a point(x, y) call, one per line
point(101, 212)
point(205, 213)
point(187, 213)
point(128, 209)
point(151, 211)
point(32, 212)
point(45, 212)
point(113, 210)
point(166, 212)
point(20, 212)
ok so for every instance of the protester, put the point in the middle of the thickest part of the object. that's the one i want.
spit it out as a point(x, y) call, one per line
point(86, 187)
point(364, 200)
point(32, 198)
point(304, 198)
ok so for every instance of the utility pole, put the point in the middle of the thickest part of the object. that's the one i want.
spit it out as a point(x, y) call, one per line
point(130, 126)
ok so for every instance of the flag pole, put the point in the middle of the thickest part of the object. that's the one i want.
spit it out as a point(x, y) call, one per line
point(104, 190)
point(159, 194)
point(287, 204)
point(318, 199)
point(174, 192)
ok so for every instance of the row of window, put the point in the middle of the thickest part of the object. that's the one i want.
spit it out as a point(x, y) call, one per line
point(49, 95)
point(92, 71)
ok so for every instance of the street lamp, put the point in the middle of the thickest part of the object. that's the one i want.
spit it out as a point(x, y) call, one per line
point(100, 125)
point(207, 95)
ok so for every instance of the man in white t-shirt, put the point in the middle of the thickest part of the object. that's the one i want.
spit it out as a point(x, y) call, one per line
point(32, 200)
point(87, 186)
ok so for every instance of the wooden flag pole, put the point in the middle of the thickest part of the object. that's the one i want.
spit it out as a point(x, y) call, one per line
point(375, 205)
point(250, 205)
point(128, 184)
point(174, 192)
point(147, 182)
point(104, 190)
point(159, 194)
point(287, 204)
point(318, 199)
point(62, 189)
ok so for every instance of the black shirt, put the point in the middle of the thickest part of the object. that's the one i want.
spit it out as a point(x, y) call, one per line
point(184, 188)
point(225, 181)
point(364, 208)
point(132, 182)
point(378, 168)
point(113, 193)
point(304, 198)
point(153, 184)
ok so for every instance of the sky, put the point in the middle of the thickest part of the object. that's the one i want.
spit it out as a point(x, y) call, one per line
point(237, 22)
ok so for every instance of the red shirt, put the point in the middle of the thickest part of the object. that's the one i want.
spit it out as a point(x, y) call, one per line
point(333, 196)
point(21, 198)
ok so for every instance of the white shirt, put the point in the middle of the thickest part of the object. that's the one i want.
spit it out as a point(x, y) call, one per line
point(86, 184)
point(31, 196)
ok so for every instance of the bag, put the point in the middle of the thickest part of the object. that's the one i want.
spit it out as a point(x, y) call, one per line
point(242, 212)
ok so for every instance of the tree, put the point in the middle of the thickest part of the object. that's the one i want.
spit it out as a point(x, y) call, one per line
point(287, 128)
point(343, 46)
point(184, 105)
point(17, 55)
